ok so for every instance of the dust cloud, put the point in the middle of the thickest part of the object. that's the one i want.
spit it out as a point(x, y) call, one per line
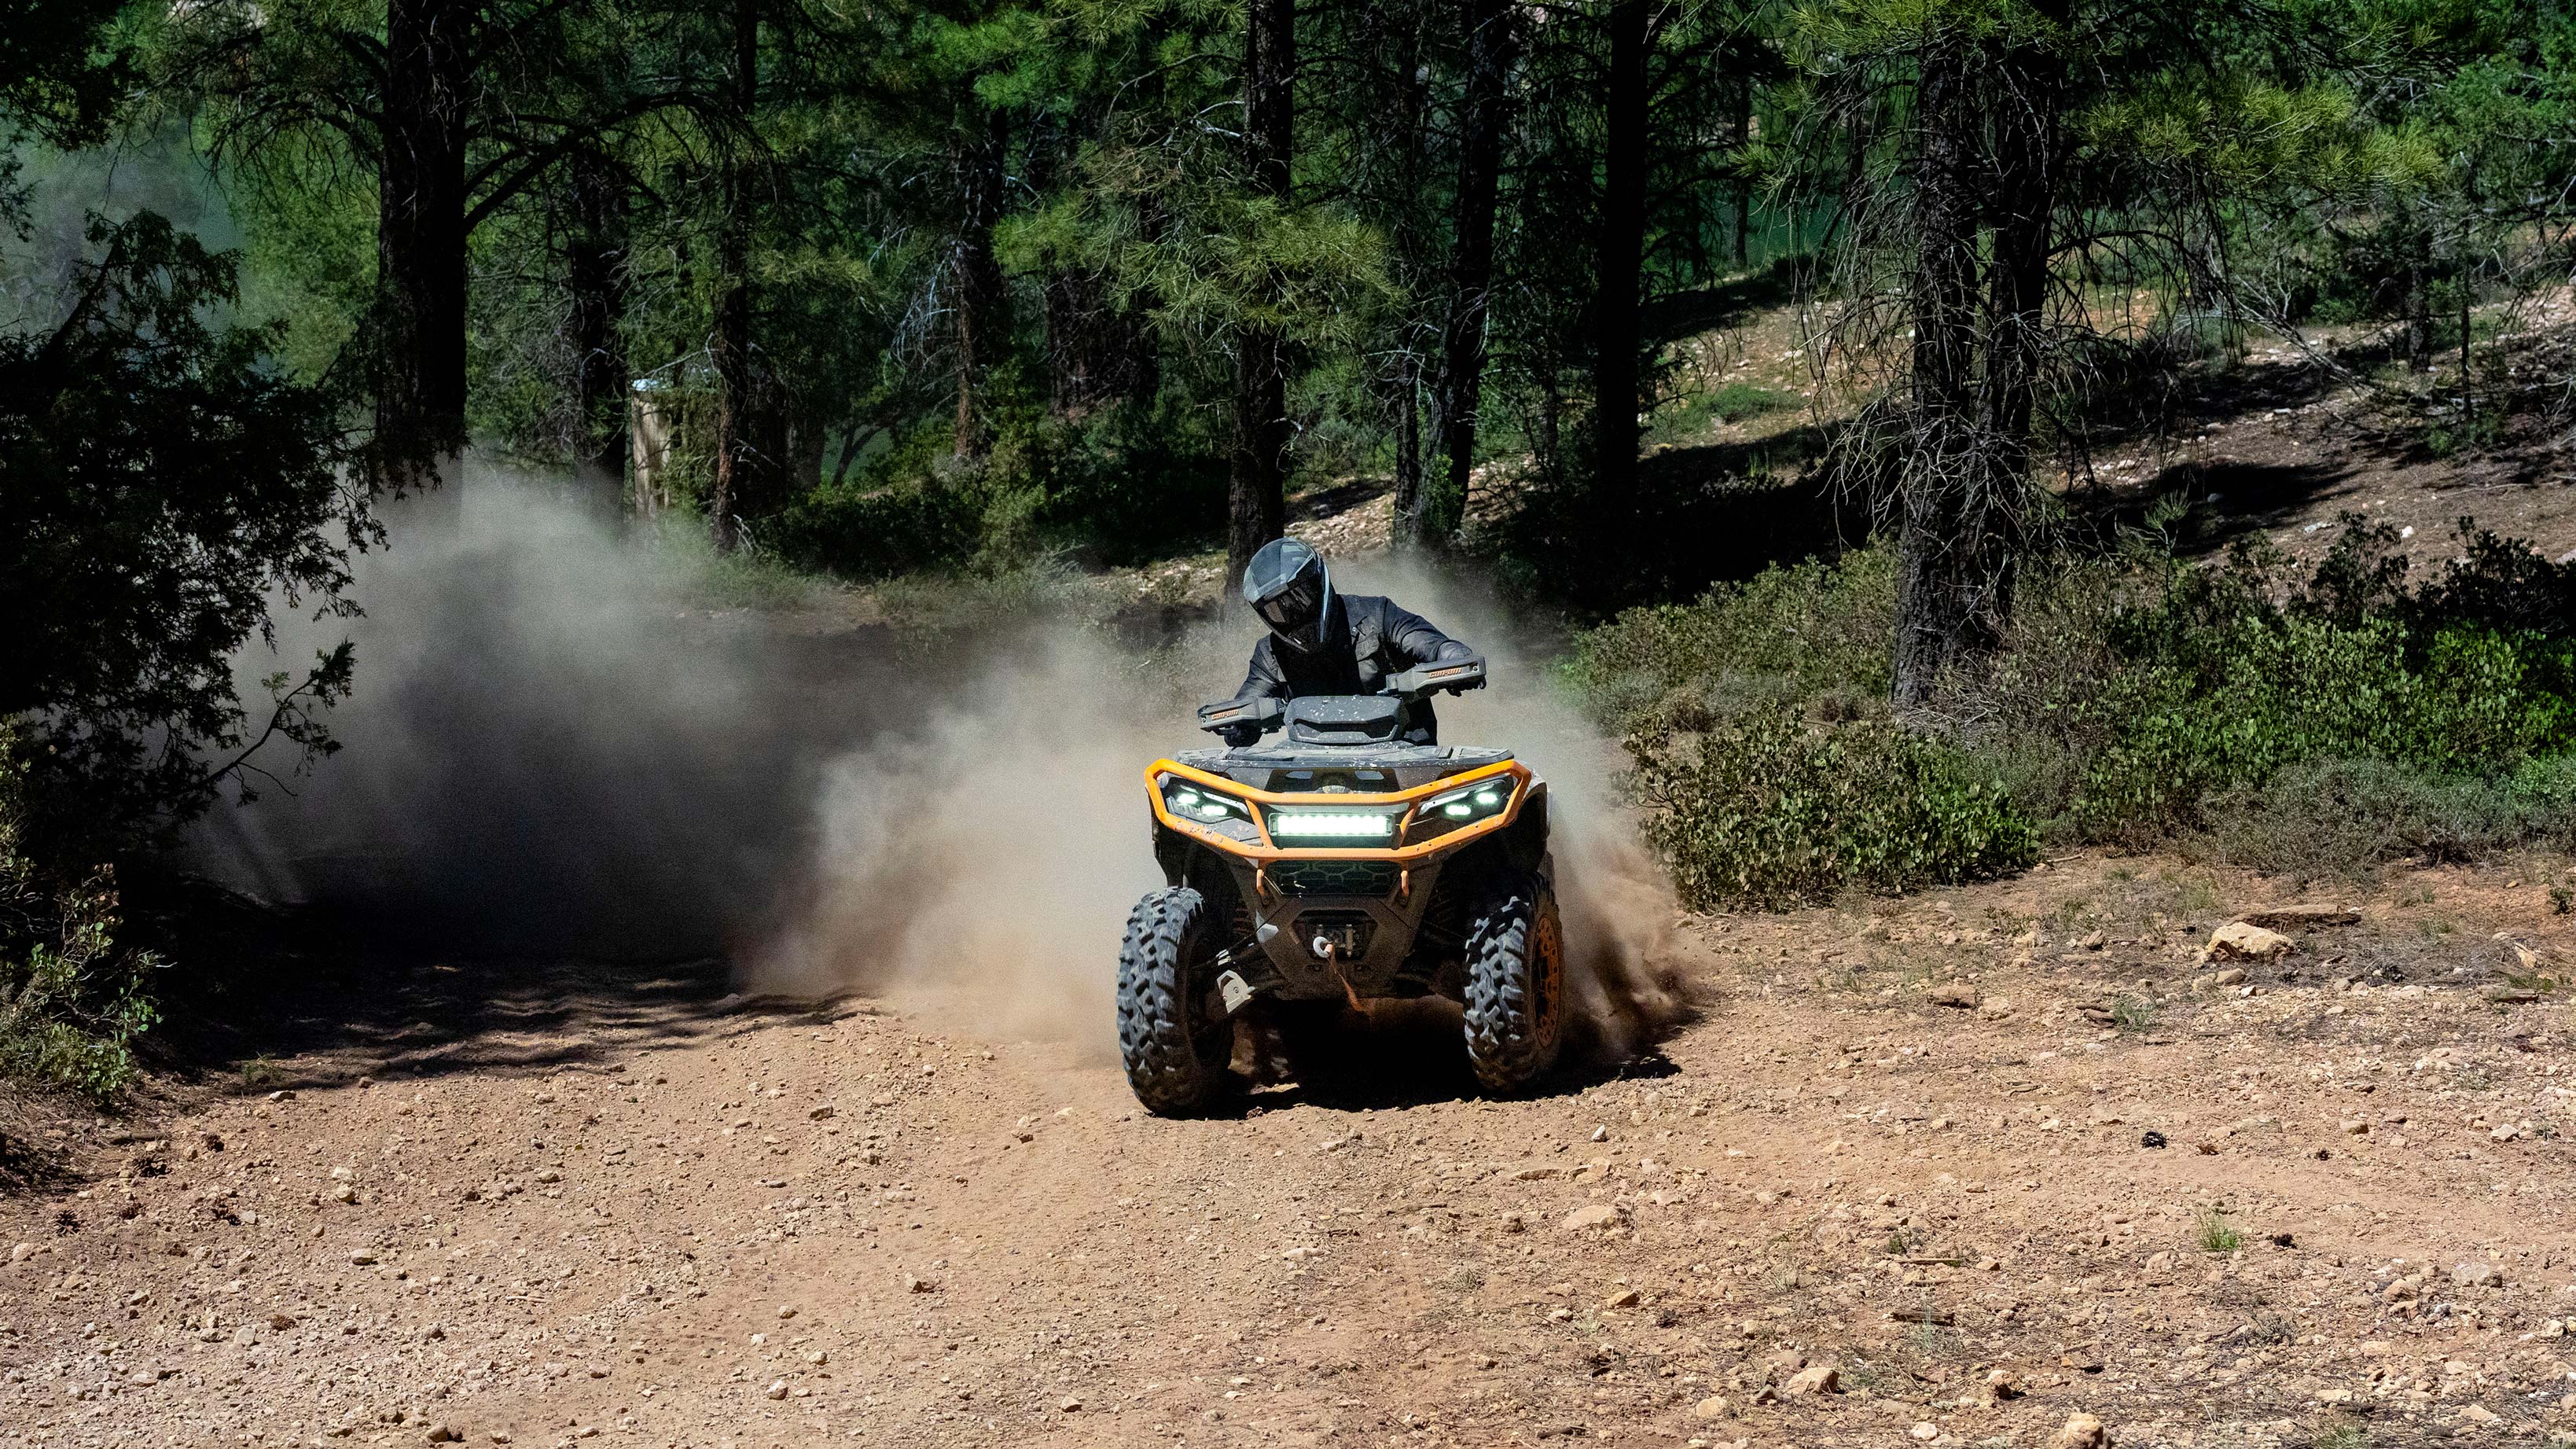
point(980, 870)
point(557, 748)
point(1618, 906)
point(554, 746)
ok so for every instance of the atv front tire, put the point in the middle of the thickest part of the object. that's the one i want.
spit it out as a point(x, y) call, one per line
point(1175, 1043)
point(1515, 983)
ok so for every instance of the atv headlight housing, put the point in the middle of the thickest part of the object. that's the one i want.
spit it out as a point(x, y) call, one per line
point(1462, 807)
point(1319, 826)
point(1212, 809)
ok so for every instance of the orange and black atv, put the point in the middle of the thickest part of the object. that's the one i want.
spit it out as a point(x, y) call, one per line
point(1340, 865)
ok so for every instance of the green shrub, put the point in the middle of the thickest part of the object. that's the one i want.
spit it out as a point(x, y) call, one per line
point(1689, 417)
point(1767, 810)
point(2256, 696)
point(1124, 486)
point(2316, 722)
point(1812, 634)
point(2231, 673)
point(71, 1003)
point(906, 510)
point(2329, 815)
point(2215, 1233)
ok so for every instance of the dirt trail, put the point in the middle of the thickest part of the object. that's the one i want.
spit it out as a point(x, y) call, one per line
point(642, 1212)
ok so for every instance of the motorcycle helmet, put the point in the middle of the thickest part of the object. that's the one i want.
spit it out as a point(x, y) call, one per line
point(1288, 586)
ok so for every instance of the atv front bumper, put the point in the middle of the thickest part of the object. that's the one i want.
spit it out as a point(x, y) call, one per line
point(1345, 920)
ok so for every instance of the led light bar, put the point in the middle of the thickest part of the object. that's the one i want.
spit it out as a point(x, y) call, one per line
point(1340, 825)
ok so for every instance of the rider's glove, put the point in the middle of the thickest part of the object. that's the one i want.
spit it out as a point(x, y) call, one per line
point(1454, 649)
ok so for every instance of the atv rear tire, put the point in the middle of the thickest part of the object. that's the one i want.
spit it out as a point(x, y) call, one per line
point(1176, 1045)
point(1515, 983)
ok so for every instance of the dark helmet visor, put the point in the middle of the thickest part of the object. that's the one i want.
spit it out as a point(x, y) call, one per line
point(1293, 610)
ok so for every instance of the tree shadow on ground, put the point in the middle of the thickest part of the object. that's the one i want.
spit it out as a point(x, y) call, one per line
point(29, 1164)
point(1688, 314)
point(2227, 500)
point(1336, 499)
point(1706, 514)
point(278, 999)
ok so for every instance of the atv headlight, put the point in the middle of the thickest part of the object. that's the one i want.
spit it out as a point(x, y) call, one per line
point(1462, 807)
point(1201, 806)
point(1358, 827)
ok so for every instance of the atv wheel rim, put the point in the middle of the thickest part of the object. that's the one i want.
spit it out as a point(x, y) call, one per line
point(1547, 976)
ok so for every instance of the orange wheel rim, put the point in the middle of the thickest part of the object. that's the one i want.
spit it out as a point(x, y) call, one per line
point(1547, 975)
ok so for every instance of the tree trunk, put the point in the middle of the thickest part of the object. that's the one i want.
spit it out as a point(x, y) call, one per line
point(983, 326)
point(1743, 181)
point(1391, 40)
point(2419, 299)
point(1615, 323)
point(735, 384)
point(1408, 449)
point(1257, 508)
point(1940, 478)
point(1097, 353)
point(2022, 210)
point(419, 361)
point(595, 268)
point(1548, 446)
point(1491, 47)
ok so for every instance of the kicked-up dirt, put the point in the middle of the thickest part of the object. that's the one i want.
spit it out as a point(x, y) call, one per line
point(1984, 1167)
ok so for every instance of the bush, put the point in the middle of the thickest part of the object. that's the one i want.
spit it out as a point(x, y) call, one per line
point(1128, 485)
point(165, 489)
point(2315, 722)
point(1813, 634)
point(2332, 815)
point(71, 1003)
point(2231, 673)
point(1768, 810)
point(1689, 417)
point(906, 510)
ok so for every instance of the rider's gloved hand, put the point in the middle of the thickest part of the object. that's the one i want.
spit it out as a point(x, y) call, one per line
point(1453, 649)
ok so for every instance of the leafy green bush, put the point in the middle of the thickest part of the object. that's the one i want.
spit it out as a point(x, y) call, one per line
point(164, 488)
point(1689, 417)
point(2314, 721)
point(1127, 485)
point(2231, 673)
point(1807, 633)
point(2332, 815)
point(906, 510)
point(1136, 483)
point(71, 1003)
point(1767, 810)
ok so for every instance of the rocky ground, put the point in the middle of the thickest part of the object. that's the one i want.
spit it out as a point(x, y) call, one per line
point(1956, 1170)
point(2008, 1165)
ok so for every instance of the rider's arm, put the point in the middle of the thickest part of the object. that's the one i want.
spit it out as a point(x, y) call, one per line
point(1261, 681)
point(1418, 639)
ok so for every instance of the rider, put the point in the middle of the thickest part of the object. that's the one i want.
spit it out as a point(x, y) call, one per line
point(1322, 642)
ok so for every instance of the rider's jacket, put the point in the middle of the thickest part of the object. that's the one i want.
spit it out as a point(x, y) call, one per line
point(1366, 638)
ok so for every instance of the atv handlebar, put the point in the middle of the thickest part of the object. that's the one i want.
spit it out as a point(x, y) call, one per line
point(1262, 713)
point(1450, 676)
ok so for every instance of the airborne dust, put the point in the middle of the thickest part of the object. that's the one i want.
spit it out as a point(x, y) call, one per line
point(557, 748)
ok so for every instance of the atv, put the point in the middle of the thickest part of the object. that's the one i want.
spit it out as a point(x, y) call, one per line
point(1345, 865)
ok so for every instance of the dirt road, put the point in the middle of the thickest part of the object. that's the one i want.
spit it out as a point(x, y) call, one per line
point(494, 1204)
